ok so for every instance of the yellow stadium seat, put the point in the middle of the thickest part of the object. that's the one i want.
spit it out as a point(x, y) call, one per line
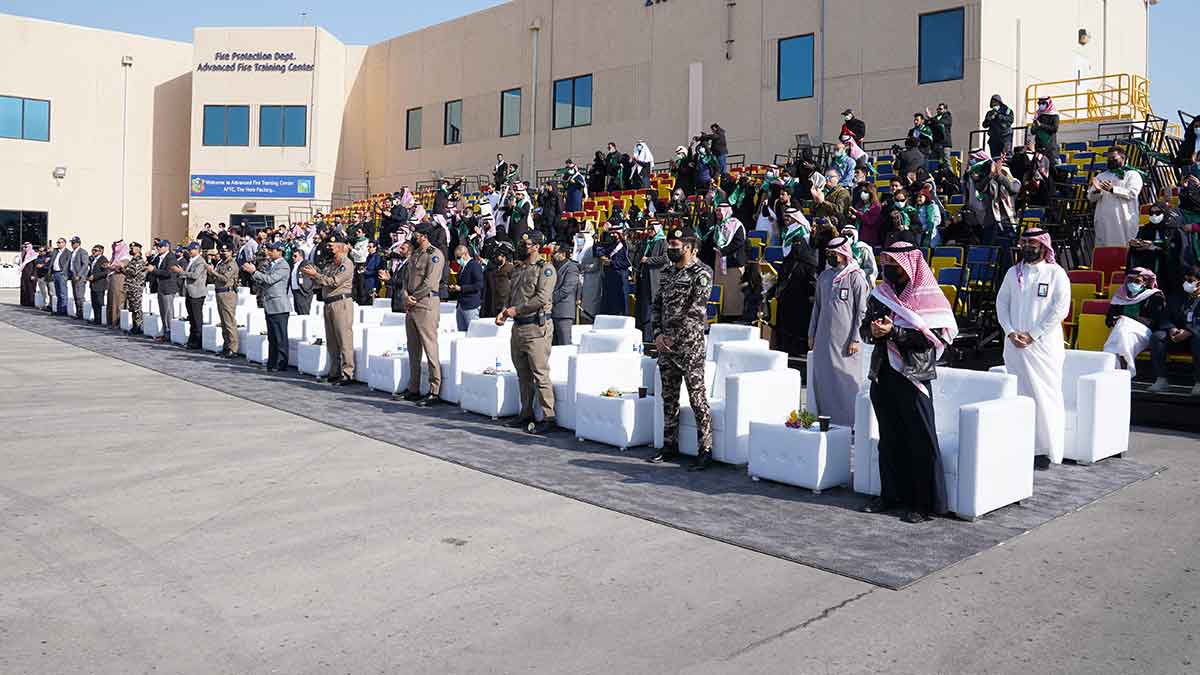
point(939, 263)
point(1092, 333)
point(1081, 292)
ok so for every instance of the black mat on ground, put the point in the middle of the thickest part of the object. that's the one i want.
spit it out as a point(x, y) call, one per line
point(825, 531)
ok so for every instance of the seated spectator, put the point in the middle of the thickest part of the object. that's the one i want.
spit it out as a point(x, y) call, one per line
point(844, 165)
point(910, 159)
point(1136, 310)
point(1179, 333)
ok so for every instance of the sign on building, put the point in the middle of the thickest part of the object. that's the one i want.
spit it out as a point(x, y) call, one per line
point(260, 187)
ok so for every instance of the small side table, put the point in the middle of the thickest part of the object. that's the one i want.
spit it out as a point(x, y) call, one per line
point(624, 422)
point(807, 458)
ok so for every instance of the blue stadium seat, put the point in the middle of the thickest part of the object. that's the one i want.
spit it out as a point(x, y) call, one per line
point(773, 254)
point(953, 276)
point(1075, 147)
point(955, 252)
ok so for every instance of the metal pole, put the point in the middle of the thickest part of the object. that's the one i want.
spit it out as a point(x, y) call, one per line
point(534, 28)
point(125, 66)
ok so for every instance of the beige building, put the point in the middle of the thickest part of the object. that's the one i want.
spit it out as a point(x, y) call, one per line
point(280, 122)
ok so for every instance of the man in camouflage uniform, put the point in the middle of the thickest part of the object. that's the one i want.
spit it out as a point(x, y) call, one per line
point(529, 303)
point(135, 282)
point(678, 314)
point(225, 276)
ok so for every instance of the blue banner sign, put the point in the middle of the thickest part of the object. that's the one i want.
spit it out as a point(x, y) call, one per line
point(258, 187)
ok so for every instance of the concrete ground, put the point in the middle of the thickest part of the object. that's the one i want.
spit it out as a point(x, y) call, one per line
point(147, 524)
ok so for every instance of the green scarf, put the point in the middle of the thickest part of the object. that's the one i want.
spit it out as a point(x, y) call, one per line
point(1120, 173)
point(658, 236)
point(795, 231)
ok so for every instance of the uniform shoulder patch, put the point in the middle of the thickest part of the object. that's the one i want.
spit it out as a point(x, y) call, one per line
point(341, 268)
point(434, 259)
point(548, 272)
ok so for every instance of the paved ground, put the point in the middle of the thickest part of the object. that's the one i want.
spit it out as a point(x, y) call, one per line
point(149, 524)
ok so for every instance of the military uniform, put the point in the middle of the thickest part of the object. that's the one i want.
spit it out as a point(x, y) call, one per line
point(335, 281)
point(533, 332)
point(679, 313)
point(225, 277)
point(135, 282)
point(422, 277)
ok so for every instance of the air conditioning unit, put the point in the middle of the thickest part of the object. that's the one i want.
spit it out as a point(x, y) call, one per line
point(249, 207)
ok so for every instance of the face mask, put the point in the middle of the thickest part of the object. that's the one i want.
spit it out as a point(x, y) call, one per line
point(1156, 218)
point(833, 261)
point(865, 196)
point(462, 262)
point(674, 254)
point(1135, 288)
point(1190, 287)
point(901, 202)
point(995, 108)
point(1031, 254)
point(1114, 164)
point(847, 117)
point(892, 274)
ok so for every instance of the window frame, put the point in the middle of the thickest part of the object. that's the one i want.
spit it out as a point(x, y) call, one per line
point(520, 96)
point(446, 122)
point(408, 127)
point(282, 126)
point(21, 236)
point(812, 71)
point(575, 124)
point(962, 72)
point(225, 107)
point(22, 135)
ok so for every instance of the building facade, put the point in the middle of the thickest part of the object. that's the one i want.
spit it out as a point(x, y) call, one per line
point(280, 122)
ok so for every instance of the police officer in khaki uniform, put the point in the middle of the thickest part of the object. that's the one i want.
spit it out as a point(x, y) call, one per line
point(225, 275)
point(529, 304)
point(335, 281)
point(422, 278)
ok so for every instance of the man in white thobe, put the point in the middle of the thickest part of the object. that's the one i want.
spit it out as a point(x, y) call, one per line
point(1033, 301)
point(1115, 194)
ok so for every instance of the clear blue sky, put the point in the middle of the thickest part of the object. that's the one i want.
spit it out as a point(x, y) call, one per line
point(1172, 30)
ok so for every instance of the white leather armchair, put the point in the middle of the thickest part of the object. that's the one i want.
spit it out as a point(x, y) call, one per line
point(719, 333)
point(985, 434)
point(1096, 396)
point(749, 384)
point(256, 322)
point(593, 363)
point(474, 351)
point(602, 322)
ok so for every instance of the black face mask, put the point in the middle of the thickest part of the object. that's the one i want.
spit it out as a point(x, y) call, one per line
point(674, 254)
point(1114, 164)
point(1031, 254)
point(894, 276)
point(832, 261)
point(523, 251)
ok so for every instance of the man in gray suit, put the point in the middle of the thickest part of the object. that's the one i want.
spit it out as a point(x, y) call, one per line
point(195, 287)
point(167, 285)
point(77, 270)
point(272, 285)
point(566, 293)
point(301, 285)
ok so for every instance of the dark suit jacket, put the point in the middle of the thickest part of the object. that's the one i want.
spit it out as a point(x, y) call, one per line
point(566, 291)
point(168, 282)
point(97, 270)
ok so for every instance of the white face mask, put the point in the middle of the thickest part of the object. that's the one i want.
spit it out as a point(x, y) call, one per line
point(848, 117)
point(1190, 287)
point(1156, 219)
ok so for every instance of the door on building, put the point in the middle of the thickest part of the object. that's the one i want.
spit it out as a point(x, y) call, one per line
point(250, 224)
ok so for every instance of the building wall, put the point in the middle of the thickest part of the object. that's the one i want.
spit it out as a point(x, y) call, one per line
point(79, 71)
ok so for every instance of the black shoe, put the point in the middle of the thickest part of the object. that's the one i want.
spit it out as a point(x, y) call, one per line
point(518, 423)
point(542, 428)
point(342, 382)
point(429, 401)
point(912, 518)
point(702, 461)
point(1041, 462)
point(876, 505)
point(411, 397)
point(224, 354)
point(271, 369)
point(669, 453)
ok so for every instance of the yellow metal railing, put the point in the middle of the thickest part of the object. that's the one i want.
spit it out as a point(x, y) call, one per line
point(1102, 98)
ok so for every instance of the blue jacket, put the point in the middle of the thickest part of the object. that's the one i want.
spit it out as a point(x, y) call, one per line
point(470, 280)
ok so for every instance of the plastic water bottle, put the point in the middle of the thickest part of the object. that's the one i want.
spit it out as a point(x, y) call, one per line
point(497, 364)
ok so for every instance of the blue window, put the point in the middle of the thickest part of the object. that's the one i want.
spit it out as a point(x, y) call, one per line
point(282, 126)
point(795, 68)
point(24, 118)
point(227, 125)
point(452, 134)
point(573, 102)
point(412, 129)
point(510, 113)
point(940, 49)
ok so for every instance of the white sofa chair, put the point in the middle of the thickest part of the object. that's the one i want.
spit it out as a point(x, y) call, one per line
point(602, 322)
point(377, 339)
point(152, 325)
point(493, 394)
point(257, 347)
point(180, 330)
point(473, 351)
point(1096, 395)
point(622, 422)
point(314, 358)
point(985, 434)
point(749, 384)
point(719, 333)
point(596, 348)
point(256, 323)
point(391, 374)
point(311, 328)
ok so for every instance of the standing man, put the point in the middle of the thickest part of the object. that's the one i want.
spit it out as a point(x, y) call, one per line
point(97, 277)
point(60, 262)
point(650, 265)
point(469, 288)
point(998, 121)
point(208, 240)
point(135, 282)
point(370, 273)
point(529, 308)
point(168, 286)
point(195, 288)
point(272, 283)
point(1033, 301)
point(565, 297)
point(77, 270)
point(679, 314)
point(422, 276)
point(335, 281)
point(224, 236)
point(576, 186)
point(225, 278)
point(300, 284)
point(116, 282)
point(1115, 193)
point(833, 333)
